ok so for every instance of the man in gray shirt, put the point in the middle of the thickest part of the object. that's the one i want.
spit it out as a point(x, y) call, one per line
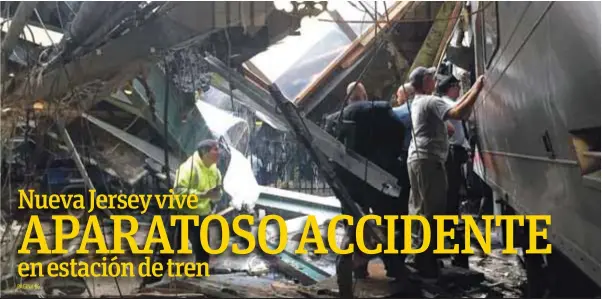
point(428, 152)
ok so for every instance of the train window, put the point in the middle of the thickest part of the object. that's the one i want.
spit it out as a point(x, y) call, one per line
point(490, 31)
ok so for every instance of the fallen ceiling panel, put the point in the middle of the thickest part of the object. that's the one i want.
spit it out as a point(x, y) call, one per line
point(356, 49)
point(175, 24)
point(153, 152)
point(113, 154)
point(330, 146)
point(245, 95)
point(299, 204)
point(336, 79)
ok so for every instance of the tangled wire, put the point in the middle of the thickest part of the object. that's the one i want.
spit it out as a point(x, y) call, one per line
point(188, 68)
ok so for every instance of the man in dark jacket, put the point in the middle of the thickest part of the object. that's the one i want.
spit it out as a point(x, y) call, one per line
point(370, 129)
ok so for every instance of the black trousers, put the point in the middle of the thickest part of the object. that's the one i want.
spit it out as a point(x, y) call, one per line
point(455, 178)
point(194, 236)
point(381, 204)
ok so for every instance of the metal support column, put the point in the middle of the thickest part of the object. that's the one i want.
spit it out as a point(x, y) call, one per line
point(301, 132)
point(75, 155)
point(18, 22)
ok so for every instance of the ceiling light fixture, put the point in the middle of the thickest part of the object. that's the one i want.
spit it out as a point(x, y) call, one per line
point(38, 105)
point(128, 89)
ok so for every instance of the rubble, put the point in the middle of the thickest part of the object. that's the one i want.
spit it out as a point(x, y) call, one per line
point(504, 273)
point(142, 119)
point(290, 275)
point(226, 286)
point(64, 286)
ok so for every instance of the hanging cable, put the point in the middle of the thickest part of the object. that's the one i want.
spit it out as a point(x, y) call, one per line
point(230, 67)
point(58, 12)
point(44, 26)
point(360, 76)
point(104, 181)
point(165, 122)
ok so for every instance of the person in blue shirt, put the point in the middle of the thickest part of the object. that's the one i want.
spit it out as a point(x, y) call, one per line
point(403, 113)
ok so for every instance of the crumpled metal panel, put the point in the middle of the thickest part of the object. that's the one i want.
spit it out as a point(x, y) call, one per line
point(148, 149)
point(281, 202)
point(239, 181)
point(545, 78)
point(111, 153)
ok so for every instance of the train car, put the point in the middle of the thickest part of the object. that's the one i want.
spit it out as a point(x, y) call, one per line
point(538, 126)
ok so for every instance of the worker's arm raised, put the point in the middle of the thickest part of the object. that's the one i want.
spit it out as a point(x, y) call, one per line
point(464, 107)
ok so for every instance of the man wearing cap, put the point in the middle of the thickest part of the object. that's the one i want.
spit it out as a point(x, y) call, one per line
point(199, 175)
point(448, 88)
point(428, 152)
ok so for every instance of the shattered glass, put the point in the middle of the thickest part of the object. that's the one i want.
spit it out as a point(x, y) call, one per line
point(221, 123)
point(298, 60)
point(239, 180)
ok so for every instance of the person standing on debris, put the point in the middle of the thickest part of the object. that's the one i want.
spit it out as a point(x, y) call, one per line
point(448, 88)
point(337, 126)
point(370, 129)
point(427, 154)
point(198, 175)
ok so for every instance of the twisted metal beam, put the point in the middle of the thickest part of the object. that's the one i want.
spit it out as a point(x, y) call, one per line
point(18, 21)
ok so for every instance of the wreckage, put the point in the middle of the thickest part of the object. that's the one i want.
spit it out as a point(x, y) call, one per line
point(113, 96)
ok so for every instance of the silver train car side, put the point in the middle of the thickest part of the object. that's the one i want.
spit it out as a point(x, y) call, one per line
point(538, 120)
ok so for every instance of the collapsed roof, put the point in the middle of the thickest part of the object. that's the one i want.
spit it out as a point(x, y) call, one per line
point(132, 87)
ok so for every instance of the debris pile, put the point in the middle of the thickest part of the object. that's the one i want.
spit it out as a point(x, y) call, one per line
point(286, 275)
point(108, 117)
